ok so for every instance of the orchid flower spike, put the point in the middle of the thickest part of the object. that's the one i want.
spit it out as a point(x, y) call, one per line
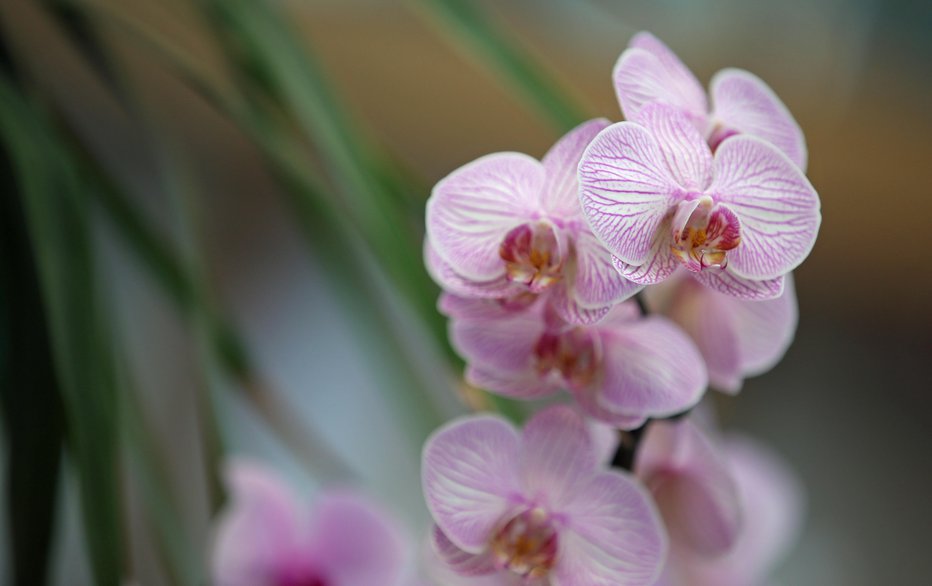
point(649, 72)
point(621, 370)
point(509, 226)
point(737, 338)
point(655, 195)
point(538, 504)
point(267, 537)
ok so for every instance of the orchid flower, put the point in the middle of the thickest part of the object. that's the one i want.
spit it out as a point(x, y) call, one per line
point(649, 72)
point(737, 338)
point(538, 504)
point(509, 226)
point(621, 370)
point(771, 506)
point(267, 537)
point(657, 197)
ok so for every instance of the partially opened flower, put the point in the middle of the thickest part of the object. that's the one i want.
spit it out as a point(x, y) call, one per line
point(657, 197)
point(737, 338)
point(771, 506)
point(268, 537)
point(649, 72)
point(538, 504)
point(507, 225)
point(621, 370)
point(692, 486)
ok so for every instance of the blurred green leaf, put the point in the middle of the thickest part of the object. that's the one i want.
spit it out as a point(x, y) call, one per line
point(58, 225)
point(463, 22)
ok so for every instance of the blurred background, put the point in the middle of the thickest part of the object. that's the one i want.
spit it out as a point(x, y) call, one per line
point(211, 238)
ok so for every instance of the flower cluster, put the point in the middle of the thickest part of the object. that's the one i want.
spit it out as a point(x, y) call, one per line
point(633, 266)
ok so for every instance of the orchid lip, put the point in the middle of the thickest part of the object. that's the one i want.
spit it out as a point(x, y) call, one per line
point(573, 353)
point(526, 544)
point(533, 256)
point(703, 233)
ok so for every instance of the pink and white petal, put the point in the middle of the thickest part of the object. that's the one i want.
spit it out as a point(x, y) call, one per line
point(777, 206)
point(772, 500)
point(765, 329)
point(724, 281)
point(354, 543)
point(684, 149)
point(560, 195)
point(613, 535)
point(743, 102)
point(692, 486)
point(650, 368)
point(527, 385)
point(495, 338)
point(469, 471)
point(626, 189)
point(604, 440)
point(707, 317)
point(571, 311)
point(471, 210)
point(464, 564)
point(660, 264)
point(556, 451)
point(648, 72)
point(595, 282)
point(444, 275)
point(588, 401)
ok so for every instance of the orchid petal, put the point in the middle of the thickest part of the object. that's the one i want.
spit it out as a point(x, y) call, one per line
point(444, 275)
point(464, 564)
point(613, 535)
point(685, 152)
point(469, 471)
point(660, 264)
point(692, 486)
point(777, 206)
point(560, 195)
point(765, 329)
point(732, 285)
point(588, 401)
point(354, 543)
point(625, 189)
point(571, 311)
point(744, 103)
point(596, 283)
point(649, 72)
point(472, 209)
point(556, 451)
point(650, 368)
point(519, 385)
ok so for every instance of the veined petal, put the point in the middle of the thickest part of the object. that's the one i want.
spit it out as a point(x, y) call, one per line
point(469, 471)
point(571, 311)
point(777, 206)
point(626, 189)
point(660, 263)
point(765, 329)
point(692, 486)
point(354, 542)
point(588, 401)
point(724, 281)
point(471, 210)
point(260, 532)
point(649, 72)
point(613, 535)
point(560, 195)
point(744, 103)
point(686, 153)
point(444, 275)
point(519, 385)
point(651, 368)
point(595, 282)
point(464, 564)
point(556, 451)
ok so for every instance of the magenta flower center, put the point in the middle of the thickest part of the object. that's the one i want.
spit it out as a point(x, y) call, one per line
point(573, 353)
point(703, 238)
point(532, 255)
point(527, 544)
point(299, 575)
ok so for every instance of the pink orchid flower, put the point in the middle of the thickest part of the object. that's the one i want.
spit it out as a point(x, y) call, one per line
point(737, 338)
point(771, 504)
point(621, 370)
point(507, 225)
point(649, 72)
point(538, 504)
point(656, 196)
point(267, 537)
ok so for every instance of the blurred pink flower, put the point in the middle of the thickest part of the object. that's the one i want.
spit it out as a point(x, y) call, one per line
point(657, 197)
point(267, 537)
point(621, 370)
point(737, 338)
point(538, 504)
point(507, 225)
point(649, 72)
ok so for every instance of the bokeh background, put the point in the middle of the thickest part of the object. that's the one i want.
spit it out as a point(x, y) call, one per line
point(226, 161)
